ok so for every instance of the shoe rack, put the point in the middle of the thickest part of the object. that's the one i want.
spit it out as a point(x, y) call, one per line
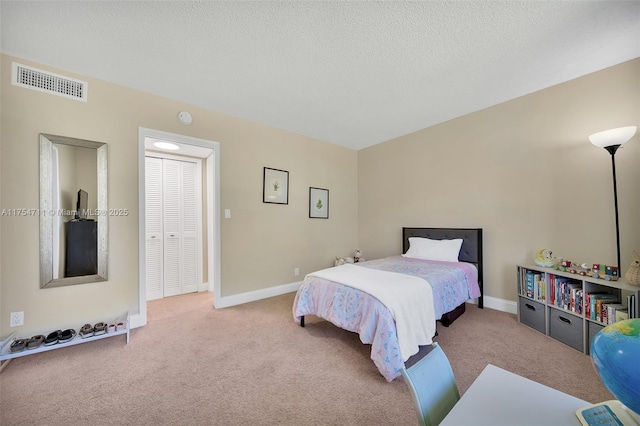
point(5, 345)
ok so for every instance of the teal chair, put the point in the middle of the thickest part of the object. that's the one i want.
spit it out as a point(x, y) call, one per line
point(432, 386)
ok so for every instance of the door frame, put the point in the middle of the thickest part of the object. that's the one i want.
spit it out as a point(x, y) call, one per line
point(212, 213)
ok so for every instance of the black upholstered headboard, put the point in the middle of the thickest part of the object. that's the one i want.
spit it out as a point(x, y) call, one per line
point(471, 250)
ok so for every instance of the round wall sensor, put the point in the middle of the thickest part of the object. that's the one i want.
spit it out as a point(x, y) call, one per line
point(184, 117)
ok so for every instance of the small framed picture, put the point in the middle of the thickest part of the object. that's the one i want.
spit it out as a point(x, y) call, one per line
point(318, 203)
point(275, 186)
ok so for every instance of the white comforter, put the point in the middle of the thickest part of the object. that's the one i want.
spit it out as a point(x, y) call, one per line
point(408, 298)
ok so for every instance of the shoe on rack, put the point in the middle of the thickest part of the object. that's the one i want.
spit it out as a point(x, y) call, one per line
point(99, 328)
point(86, 331)
point(120, 326)
point(52, 338)
point(67, 335)
point(111, 327)
point(35, 341)
point(18, 345)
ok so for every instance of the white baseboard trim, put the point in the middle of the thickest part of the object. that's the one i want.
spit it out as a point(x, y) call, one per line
point(252, 296)
point(204, 287)
point(135, 321)
point(500, 304)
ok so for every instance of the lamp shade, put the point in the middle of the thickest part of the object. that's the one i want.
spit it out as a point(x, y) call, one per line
point(610, 137)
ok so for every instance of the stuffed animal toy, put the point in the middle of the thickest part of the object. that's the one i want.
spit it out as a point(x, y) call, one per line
point(358, 257)
point(544, 257)
point(342, 260)
point(633, 273)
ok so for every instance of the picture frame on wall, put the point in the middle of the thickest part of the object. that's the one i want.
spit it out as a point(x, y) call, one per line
point(318, 203)
point(275, 186)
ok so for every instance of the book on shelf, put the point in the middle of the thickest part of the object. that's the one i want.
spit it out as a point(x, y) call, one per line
point(587, 303)
point(534, 285)
point(596, 304)
point(611, 413)
point(610, 310)
point(569, 296)
point(604, 311)
point(529, 283)
point(622, 314)
point(559, 284)
point(631, 305)
point(565, 293)
point(576, 300)
point(538, 287)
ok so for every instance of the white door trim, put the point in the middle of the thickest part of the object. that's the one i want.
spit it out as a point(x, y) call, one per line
point(213, 217)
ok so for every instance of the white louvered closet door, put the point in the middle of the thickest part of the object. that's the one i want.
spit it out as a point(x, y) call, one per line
point(190, 254)
point(181, 247)
point(154, 237)
point(174, 265)
point(171, 194)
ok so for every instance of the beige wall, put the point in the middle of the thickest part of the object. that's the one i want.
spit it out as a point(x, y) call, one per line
point(260, 245)
point(523, 170)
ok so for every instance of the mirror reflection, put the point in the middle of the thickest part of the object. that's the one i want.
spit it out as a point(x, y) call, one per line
point(73, 207)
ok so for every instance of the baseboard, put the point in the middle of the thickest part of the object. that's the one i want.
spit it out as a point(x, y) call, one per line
point(500, 304)
point(252, 296)
point(135, 321)
point(204, 287)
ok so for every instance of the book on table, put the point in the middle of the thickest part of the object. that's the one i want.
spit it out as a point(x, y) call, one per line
point(610, 413)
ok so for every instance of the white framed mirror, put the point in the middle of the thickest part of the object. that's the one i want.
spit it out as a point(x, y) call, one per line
point(73, 211)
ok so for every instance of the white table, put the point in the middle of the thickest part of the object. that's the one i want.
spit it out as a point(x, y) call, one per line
point(498, 397)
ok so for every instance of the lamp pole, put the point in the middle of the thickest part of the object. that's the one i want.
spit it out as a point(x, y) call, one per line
point(611, 140)
point(612, 150)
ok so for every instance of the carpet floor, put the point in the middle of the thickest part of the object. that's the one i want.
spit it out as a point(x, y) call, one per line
point(253, 365)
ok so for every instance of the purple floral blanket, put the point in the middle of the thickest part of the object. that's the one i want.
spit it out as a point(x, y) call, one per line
point(354, 310)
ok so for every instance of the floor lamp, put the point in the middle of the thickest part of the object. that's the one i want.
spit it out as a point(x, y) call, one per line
point(611, 140)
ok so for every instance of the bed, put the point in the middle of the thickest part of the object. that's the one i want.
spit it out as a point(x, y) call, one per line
point(394, 303)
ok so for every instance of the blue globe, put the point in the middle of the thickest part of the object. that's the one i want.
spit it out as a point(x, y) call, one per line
point(615, 352)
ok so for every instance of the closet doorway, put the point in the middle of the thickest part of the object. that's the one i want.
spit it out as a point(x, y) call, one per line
point(179, 238)
point(173, 190)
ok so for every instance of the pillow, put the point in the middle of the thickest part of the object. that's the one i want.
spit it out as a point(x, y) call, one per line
point(440, 250)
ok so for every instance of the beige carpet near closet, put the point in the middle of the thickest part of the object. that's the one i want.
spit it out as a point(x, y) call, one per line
point(252, 365)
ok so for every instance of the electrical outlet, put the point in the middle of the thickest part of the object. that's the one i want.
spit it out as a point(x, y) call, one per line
point(296, 272)
point(16, 319)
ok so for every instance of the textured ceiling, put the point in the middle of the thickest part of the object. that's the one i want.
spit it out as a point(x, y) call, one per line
point(349, 73)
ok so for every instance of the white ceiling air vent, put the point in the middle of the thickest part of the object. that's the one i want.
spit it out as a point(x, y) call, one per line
point(45, 81)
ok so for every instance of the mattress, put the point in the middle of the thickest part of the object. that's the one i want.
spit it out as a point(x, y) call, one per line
point(353, 309)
